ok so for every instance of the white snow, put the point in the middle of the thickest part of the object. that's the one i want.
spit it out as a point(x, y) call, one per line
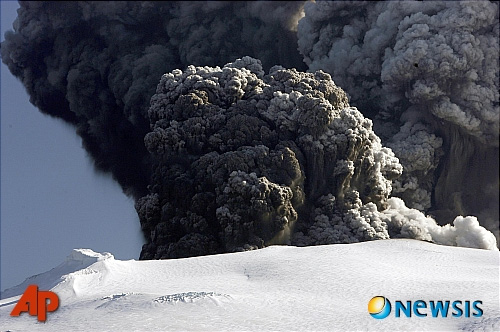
point(279, 288)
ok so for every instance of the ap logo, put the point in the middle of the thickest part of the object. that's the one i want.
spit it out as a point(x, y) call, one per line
point(35, 303)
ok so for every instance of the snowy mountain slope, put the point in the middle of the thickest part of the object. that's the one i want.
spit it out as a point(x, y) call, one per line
point(321, 288)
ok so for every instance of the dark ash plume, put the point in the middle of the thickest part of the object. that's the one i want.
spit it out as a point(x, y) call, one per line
point(244, 159)
point(232, 158)
point(96, 64)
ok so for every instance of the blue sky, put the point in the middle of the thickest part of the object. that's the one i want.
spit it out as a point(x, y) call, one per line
point(51, 199)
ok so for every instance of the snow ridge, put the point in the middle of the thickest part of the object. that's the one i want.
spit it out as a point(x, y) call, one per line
point(87, 256)
point(77, 261)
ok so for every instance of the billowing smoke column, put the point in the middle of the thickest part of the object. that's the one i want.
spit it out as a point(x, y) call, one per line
point(96, 64)
point(243, 160)
point(232, 158)
point(427, 72)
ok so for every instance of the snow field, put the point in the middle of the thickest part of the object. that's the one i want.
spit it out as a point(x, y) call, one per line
point(279, 288)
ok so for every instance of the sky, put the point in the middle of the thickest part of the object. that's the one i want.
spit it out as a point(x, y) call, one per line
point(52, 200)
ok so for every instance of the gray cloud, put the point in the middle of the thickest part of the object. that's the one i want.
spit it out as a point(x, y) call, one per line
point(426, 72)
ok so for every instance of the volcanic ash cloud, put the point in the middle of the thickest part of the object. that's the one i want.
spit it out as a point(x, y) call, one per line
point(244, 159)
point(427, 73)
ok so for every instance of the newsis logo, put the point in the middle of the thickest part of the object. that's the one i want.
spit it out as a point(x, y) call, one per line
point(380, 307)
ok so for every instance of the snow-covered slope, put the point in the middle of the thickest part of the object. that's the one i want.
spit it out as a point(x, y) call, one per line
point(321, 288)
